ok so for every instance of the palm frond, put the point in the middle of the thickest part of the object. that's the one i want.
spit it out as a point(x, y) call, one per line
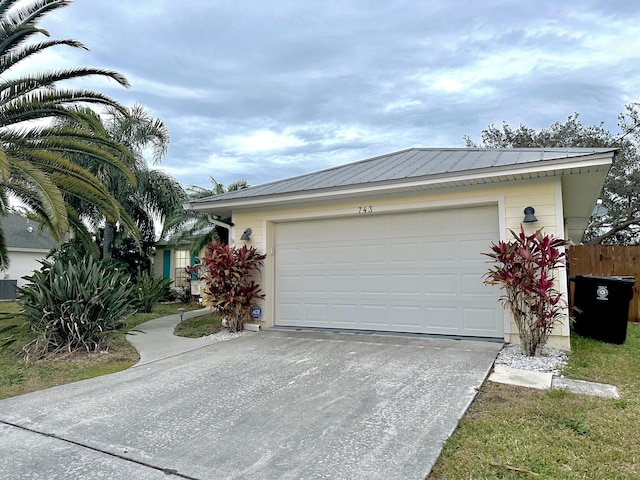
point(48, 195)
point(10, 59)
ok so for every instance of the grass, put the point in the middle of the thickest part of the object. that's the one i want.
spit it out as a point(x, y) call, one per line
point(513, 433)
point(18, 377)
point(200, 326)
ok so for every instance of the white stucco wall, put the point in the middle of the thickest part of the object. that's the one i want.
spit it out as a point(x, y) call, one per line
point(23, 263)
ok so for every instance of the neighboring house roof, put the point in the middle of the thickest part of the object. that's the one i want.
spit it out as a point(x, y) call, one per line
point(417, 169)
point(24, 235)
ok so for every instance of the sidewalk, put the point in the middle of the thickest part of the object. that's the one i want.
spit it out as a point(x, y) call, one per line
point(546, 381)
point(154, 340)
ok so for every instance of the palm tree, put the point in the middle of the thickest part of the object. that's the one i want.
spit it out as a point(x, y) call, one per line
point(196, 227)
point(152, 196)
point(35, 164)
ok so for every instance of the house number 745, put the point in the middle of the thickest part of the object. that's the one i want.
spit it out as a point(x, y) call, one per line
point(367, 209)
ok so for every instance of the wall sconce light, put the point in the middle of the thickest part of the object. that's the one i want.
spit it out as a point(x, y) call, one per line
point(246, 235)
point(529, 216)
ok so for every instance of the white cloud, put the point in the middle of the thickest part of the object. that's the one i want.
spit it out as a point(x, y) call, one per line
point(257, 91)
point(260, 141)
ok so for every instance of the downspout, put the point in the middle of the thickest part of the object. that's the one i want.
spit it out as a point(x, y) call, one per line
point(219, 223)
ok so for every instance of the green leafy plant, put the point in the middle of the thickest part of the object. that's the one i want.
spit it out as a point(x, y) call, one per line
point(150, 290)
point(524, 269)
point(73, 300)
point(229, 282)
point(578, 426)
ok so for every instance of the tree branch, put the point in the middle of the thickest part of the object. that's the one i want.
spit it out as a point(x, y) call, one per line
point(615, 229)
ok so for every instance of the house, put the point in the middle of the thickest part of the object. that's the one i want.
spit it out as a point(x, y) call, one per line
point(170, 261)
point(26, 246)
point(394, 243)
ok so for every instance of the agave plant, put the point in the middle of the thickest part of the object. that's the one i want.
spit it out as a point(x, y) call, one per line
point(73, 300)
point(524, 269)
point(150, 289)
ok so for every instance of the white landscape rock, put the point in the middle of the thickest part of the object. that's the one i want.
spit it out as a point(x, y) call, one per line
point(551, 360)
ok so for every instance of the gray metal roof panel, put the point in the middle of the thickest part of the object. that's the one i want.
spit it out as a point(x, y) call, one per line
point(23, 233)
point(406, 164)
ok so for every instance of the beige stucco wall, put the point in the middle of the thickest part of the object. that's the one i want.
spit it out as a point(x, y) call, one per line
point(545, 195)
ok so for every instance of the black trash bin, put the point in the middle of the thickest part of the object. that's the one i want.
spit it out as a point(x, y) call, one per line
point(602, 307)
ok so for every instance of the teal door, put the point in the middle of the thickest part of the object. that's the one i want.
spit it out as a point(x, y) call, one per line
point(166, 264)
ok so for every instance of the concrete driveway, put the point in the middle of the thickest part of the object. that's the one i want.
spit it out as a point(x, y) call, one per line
point(270, 405)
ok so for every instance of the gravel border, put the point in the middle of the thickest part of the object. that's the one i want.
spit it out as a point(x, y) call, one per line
point(224, 335)
point(551, 360)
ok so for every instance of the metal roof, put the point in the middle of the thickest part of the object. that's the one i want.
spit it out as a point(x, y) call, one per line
point(405, 165)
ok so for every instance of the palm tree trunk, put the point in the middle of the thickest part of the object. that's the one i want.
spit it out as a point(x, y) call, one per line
point(107, 240)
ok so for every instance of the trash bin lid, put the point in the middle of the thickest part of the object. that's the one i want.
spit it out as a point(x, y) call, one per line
point(613, 278)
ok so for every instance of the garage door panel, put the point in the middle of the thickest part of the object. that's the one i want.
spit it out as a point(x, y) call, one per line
point(438, 252)
point(468, 250)
point(290, 257)
point(473, 285)
point(480, 320)
point(372, 284)
point(410, 272)
point(374, 316)
point(371, 254)
point(343, 255)
point(316, 313)
point(315, 256)
point(441, 319)
point(315, 284)
point(343, 285)
point(408, 318)
point(343, 315)
point(404, 253)
point(406, 284)
point(442, 284)
point(289, 314)
point(290, 284)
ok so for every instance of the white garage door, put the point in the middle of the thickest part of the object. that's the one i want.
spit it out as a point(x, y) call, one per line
point(408, 272)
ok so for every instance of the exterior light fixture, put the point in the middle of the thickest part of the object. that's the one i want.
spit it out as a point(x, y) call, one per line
point(529, 216)
point(246, 235)
point(181, 313)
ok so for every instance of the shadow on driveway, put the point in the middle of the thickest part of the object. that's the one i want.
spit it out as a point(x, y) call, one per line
point(270, 405)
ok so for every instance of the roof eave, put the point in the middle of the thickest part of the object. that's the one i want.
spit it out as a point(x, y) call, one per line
point(559, 167)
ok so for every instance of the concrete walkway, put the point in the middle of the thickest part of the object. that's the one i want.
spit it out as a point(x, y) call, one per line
point(546, 381)
point(154, 340)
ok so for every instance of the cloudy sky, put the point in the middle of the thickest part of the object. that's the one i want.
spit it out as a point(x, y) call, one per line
point(266, 89)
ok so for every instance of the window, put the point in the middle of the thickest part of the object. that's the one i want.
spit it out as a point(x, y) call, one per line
point(183, 259)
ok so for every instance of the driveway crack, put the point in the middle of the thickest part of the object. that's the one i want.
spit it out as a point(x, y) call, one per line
point(166, 471)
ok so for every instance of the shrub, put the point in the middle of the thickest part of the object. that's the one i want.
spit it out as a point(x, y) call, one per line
point(150, 290)
point(229, 282)
point(73, 300)
point(524, 270)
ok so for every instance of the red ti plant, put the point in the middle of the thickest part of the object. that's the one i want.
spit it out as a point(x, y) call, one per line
point(229, 280)
point(524, 269)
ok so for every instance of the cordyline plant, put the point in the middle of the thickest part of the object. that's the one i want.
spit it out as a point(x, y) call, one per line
point(229, 281)
point(524, 269)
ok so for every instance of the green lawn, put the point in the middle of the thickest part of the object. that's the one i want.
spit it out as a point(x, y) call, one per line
point(513, 433)
point(200, 326)
point(18, 377)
